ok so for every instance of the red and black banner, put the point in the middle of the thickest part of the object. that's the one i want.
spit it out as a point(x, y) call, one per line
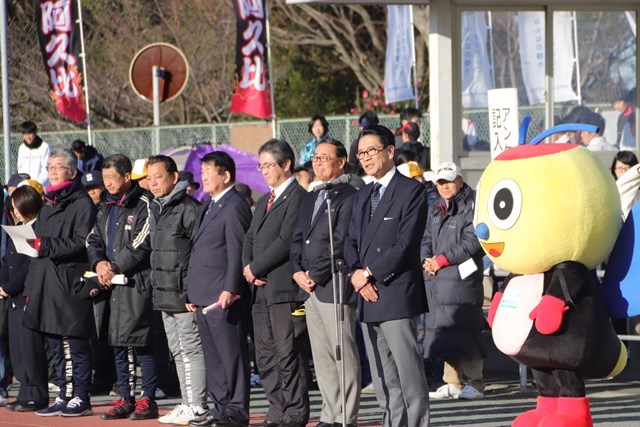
point(251, 93)
point(59, 34)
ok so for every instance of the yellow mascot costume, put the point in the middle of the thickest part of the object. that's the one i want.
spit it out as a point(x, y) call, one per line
point(548, 213)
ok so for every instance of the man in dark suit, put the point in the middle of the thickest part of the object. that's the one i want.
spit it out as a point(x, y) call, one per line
point(310, 258)
point(382, 251)
point(215, 276)
point(265, 255)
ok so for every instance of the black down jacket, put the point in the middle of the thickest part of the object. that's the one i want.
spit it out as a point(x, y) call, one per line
point(454, 323)
point(130, 304)
point(173, 218)
point(53, 280)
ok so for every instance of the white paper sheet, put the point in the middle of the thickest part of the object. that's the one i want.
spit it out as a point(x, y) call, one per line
point(19, 234)
point(467, 268)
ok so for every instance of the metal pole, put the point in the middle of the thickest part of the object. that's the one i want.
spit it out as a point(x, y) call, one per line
point(490, 30)
point(343, 381)
point(576, 54)
point(156, 106)
point(6, 120)
point(413, 56)
point(338, 309)
point(270, 66)
point(84, 74)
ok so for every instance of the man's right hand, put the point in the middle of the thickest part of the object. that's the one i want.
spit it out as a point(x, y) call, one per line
point(304, 281)
point(105, 273)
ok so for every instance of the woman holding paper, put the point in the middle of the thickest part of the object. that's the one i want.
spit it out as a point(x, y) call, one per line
point(452, 261)
point(54, 309)
point(26, 347)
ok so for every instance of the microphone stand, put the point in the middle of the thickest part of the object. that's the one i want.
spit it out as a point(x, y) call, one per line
point(338, 307)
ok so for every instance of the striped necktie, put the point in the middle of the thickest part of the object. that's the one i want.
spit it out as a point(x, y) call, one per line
point(375, 198)
point(272, 198)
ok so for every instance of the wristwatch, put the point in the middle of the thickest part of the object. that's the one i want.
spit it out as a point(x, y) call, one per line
point(367, 273)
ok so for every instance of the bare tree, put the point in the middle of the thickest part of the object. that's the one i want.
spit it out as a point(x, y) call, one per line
point(356, 34)
point(114, 32)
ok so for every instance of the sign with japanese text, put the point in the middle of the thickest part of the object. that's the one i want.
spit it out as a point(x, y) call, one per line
point(504, 125)
point(59, 36)
point(252, 94)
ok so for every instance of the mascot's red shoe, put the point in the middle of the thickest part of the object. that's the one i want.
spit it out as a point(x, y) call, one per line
point(545, 406)
point(572, 412)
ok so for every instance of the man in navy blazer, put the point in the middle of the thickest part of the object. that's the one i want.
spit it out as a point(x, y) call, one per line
point(311, 262)
point(265, 255)
point(215, 277)
point(382, 252)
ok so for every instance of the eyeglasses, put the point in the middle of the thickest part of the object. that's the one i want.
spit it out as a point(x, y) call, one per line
point(320, 159)
point(266, 166)
point(56, 168)
point(372, 151)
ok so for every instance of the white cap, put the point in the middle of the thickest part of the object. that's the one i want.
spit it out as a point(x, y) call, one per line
point(447, 171)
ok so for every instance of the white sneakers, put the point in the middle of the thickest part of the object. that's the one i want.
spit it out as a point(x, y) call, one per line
point(182, 414)
point(3, 401)
point(470, 393)
point(368, 389)
point(173, 415)
point(449, 391)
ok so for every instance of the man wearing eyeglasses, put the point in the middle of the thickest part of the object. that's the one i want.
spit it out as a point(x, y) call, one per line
point(382, 253)
point(310, 258)
point(265, 256)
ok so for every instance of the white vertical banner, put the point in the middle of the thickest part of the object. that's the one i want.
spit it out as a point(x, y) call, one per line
point(503, 119)
point(476, 71)
point(532, 54)
point(400, 46)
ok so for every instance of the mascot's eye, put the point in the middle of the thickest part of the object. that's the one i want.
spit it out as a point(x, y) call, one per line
point(505, 204)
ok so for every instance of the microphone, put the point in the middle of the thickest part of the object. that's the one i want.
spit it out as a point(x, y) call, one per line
point(342, 179)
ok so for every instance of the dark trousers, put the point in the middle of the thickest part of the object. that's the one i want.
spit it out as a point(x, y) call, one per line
point(125, 358)
point(29, 360)
point(364, 360)
point(280, 361)
point(102, 366)
point(226, 362)
point(559, 383)
point(73, 365)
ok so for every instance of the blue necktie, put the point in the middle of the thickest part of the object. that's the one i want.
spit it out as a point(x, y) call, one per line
point(322, 196)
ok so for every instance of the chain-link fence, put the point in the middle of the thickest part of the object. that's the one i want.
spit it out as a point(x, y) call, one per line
point(141, 142)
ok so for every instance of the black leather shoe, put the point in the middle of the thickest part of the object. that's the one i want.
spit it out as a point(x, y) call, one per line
point(209, 420)
point(11, 406)
point(323, 424)
point(30, 406)
point(269, 424)
point(228, 423)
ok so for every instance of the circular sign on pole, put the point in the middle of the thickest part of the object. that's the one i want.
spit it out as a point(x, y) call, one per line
point(172, 64)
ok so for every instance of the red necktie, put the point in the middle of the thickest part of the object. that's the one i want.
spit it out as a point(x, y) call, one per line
point(272, 198)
